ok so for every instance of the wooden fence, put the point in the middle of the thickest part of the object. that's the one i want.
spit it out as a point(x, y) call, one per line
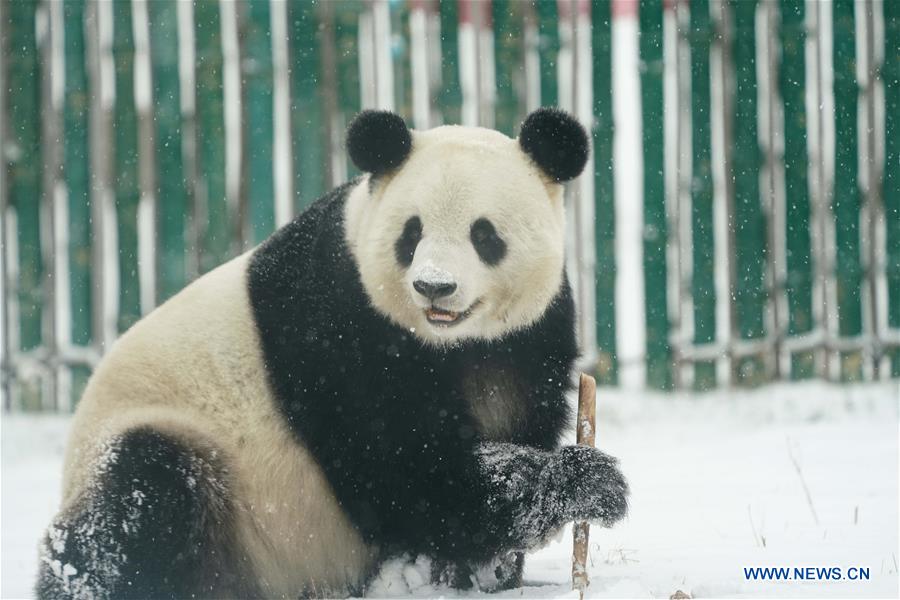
point(742, 226)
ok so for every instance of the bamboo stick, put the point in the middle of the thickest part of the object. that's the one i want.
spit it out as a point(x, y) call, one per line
point(585, 435)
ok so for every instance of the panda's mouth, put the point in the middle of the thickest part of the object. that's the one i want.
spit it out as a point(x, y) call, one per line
point(447, 318)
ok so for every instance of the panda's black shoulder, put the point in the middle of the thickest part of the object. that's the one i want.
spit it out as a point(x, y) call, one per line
point(313, 242)
point(293, 275)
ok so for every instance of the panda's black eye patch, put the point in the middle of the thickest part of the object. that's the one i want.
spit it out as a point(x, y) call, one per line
point(488, 244)
point(405, 246)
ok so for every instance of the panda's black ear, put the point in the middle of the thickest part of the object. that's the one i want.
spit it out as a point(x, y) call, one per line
point(556, 142)
point(378, 141)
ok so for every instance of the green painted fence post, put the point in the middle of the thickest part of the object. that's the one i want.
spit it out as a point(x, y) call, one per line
point(703, 284)
point(256, 67)
point(548, 50)
point(76, 167)
point(218, 226)
point(509, 59)
point(659, 368)
point(309, 142)
point(76, 159)
point(891, 193)
point(748, 220)
point(603, 134)
point(792, 85)
point(847, 193)
point(171, 186)
point(23, 161)
point(399, 42)
point(126, 182)
point(346, 35)
point(451, 93)
point(6, 343)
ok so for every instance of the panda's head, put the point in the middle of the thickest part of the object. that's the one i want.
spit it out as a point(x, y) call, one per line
point(458, 231)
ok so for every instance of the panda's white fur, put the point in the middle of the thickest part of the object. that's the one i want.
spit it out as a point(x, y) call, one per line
point(454, 175)
point(156, 374)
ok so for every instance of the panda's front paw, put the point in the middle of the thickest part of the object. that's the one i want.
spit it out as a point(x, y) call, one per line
point(591, 487)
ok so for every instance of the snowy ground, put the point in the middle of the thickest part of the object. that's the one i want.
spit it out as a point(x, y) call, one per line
point(718, 484)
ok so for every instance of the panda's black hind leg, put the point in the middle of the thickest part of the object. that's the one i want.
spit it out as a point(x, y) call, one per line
point(509, 571)
point(506, 570)
point(155, 523)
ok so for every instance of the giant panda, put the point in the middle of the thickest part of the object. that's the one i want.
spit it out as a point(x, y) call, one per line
point(386, 375)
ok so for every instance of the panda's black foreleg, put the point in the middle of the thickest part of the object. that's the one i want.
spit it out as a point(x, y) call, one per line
point(528, 495)
point(155, 523)
point(538, 492)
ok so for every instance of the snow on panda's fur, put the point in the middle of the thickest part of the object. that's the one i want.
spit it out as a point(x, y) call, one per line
point(385, 375)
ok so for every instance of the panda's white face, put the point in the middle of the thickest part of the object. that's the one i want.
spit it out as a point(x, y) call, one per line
point(464, 241)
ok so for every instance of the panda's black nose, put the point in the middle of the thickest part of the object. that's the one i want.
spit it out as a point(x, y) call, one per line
point(434, 289)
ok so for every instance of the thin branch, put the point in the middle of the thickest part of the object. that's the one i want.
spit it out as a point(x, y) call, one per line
point(797, 468)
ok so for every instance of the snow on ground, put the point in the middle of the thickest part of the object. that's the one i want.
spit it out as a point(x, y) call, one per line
point(719, 483)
